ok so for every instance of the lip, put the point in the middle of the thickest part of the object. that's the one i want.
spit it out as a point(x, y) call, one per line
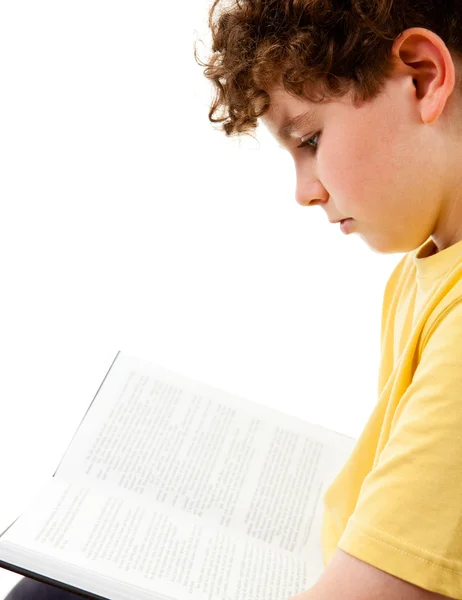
point(347, 225)
point(341, 220)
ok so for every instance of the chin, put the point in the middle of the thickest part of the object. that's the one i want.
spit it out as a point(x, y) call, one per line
point(387, 245)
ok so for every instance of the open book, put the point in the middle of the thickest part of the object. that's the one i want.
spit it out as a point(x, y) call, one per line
point(174, 490)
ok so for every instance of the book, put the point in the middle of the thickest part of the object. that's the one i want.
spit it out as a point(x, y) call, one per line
point(171, 489)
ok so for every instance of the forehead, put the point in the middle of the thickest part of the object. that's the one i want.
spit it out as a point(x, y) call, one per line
point(288, 114)
point(291, 116)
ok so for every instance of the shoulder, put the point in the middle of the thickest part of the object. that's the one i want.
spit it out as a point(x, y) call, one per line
point(445, 319)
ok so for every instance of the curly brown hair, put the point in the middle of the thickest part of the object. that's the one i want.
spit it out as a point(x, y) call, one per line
point(313, 48)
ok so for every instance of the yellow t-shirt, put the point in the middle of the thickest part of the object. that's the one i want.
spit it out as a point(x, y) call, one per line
point(397, 502)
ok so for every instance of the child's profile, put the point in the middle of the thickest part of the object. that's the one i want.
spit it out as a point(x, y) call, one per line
point(367, 100)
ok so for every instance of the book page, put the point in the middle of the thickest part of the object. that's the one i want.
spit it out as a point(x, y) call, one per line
point(232, 462)
point(99, 542)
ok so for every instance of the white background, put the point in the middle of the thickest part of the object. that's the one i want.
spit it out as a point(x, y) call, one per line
point(128, 223)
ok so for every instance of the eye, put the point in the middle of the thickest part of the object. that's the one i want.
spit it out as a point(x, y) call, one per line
point(306, 142)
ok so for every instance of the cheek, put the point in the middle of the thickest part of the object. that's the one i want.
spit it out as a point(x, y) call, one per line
point(356, 167)
point(340, 169)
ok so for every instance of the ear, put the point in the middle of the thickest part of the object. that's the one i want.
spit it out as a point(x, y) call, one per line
point(424, 56)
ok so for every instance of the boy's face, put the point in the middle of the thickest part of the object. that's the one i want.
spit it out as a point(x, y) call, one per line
point(378, 164)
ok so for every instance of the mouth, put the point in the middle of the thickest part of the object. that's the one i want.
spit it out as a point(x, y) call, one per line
point(346, 225)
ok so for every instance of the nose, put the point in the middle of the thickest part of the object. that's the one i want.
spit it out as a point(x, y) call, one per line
point(310, 193)
point(309, 190)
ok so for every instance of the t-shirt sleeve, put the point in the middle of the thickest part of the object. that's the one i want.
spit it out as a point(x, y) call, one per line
point(408, 518)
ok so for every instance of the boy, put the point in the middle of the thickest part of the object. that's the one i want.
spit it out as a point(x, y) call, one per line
point(367, 99)
point(383, 148)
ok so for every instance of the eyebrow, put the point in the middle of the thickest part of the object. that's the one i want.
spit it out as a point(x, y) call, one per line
point(287, 128)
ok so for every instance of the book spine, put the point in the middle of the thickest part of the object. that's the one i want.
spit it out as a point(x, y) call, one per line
point(50, 581)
